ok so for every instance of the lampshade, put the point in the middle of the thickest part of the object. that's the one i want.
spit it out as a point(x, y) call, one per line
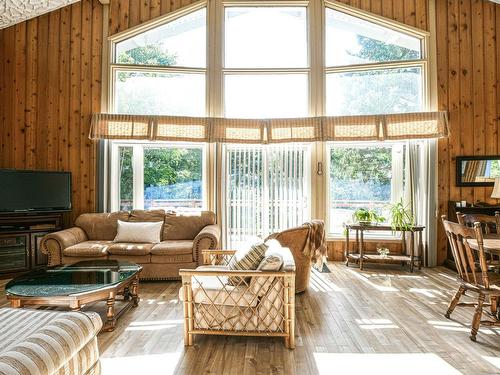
point(496, 189)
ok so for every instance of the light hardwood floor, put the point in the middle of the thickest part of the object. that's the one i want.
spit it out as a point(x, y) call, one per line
point(380, 320)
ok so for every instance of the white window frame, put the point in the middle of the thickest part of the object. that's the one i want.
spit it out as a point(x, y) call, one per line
point(138, 170)
point(316, 70)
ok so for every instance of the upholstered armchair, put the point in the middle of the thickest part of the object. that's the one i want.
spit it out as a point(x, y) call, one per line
point(300, 242)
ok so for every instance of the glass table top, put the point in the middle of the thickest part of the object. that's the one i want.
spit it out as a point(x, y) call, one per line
point(77, 278)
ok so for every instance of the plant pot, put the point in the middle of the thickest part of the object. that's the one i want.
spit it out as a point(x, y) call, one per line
point(364, 222)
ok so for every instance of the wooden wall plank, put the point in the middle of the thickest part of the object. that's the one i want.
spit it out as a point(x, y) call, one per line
point(31, 93)
point(18, 143)
point(42, 152)
point(443, 152)
point(85, 103)
point(64, 89)
point(53, 75)
point(466, 112)
point(479, 142)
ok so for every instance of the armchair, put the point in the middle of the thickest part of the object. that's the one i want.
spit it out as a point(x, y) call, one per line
point(261, 304)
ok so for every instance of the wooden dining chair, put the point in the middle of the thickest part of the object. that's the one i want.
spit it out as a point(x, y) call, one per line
point(489, 225)
point(473, 273)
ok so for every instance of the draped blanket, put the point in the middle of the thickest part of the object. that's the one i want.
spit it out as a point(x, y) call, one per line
point(316, 242)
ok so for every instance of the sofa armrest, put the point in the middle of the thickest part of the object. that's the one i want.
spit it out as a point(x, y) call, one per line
point(54, 243)
point(208, 238)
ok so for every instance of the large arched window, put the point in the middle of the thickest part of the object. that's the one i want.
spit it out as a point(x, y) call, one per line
point(260, 59)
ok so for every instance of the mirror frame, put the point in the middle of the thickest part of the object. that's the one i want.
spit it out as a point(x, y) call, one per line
point(458, 169)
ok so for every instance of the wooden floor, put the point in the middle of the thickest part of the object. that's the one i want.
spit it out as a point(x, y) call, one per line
point(381, 320)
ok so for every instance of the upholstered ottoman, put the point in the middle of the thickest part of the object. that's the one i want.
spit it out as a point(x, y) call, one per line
point(48, 342)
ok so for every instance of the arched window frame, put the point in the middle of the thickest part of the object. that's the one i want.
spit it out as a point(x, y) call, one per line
point(317, 71)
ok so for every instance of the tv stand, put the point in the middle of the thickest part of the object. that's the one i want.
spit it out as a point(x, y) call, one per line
point(20, 235)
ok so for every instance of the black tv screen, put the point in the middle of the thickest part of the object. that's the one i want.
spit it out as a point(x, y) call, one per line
point(34, 191)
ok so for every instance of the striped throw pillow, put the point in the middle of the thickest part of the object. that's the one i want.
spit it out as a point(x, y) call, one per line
point(246, 259)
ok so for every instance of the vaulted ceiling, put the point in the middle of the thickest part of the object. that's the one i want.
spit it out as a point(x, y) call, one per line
point(15, 11)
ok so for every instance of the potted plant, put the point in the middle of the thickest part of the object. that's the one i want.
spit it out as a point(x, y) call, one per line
point(401, 216)
point(383, 251)
point(366, 217)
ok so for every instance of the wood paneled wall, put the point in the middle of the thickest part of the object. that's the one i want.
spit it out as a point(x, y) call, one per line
point(50, 83)
point(468, 75)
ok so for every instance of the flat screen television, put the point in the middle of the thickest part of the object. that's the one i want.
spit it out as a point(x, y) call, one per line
point(34, 191)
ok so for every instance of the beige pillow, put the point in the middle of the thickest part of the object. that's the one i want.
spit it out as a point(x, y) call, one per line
point(139, 232)
point(273, 260)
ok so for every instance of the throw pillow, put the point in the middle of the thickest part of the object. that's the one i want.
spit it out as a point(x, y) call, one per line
point(139, 232)
point(246, 259)
point(273, 260)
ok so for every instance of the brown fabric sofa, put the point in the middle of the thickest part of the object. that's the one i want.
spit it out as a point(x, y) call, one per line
point(183, 238)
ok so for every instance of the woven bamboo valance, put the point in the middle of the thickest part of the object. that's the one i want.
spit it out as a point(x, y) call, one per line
point(309, 129)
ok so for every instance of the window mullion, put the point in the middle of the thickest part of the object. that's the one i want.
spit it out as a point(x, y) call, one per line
point(138, 174)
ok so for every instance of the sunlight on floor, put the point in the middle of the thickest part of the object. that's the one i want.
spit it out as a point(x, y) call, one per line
point(431, 293)
point(375, 323)
point(153, 325)
point(455, 326)
point(381, 288)
point(386, 364)
point(319, 283)
point(495, 361)
point(164, 364)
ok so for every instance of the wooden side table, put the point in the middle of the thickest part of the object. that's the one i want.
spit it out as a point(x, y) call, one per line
point(408, 256)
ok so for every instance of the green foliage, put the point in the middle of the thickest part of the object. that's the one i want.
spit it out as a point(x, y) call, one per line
point(362, 164)
point(401, 216)
point(381, 91)
point(171, 166)
point(368, 216)
point(375, 50)
point(126, 175)
point(152, 54)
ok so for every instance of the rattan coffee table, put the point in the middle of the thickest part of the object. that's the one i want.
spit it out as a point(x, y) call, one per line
point(77, 285)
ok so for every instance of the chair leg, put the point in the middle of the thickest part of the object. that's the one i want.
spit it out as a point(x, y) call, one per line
point(460, 292)
point(476, 320)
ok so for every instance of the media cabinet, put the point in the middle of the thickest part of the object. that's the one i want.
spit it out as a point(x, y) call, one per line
point(20, 236)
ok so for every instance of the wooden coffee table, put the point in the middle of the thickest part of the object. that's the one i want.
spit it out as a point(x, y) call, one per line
point(77, 285)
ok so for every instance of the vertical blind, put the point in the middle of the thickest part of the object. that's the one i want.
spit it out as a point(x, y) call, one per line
point(266, 190)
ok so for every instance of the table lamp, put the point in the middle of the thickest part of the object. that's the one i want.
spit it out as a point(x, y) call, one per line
point(496, 189)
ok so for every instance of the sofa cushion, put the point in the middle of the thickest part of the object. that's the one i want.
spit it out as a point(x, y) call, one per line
point(211, 289)
point(173, 248)
point(137, 259)
point(101, 226)
point(130, 248)
point(147, 215)
point(186, 227)
point(88, 249)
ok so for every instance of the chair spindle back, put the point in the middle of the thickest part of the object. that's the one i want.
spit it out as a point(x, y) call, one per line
point(466, 258)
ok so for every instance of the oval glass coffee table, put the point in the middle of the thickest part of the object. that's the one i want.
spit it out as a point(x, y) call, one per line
point(77, 285)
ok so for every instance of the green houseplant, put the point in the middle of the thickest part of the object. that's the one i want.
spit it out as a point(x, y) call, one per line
point(401, 216)
point(366, 216)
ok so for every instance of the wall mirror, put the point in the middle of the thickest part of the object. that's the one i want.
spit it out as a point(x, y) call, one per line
point(477, 170)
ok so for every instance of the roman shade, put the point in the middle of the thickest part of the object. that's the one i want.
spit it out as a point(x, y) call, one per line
point(416, 125)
